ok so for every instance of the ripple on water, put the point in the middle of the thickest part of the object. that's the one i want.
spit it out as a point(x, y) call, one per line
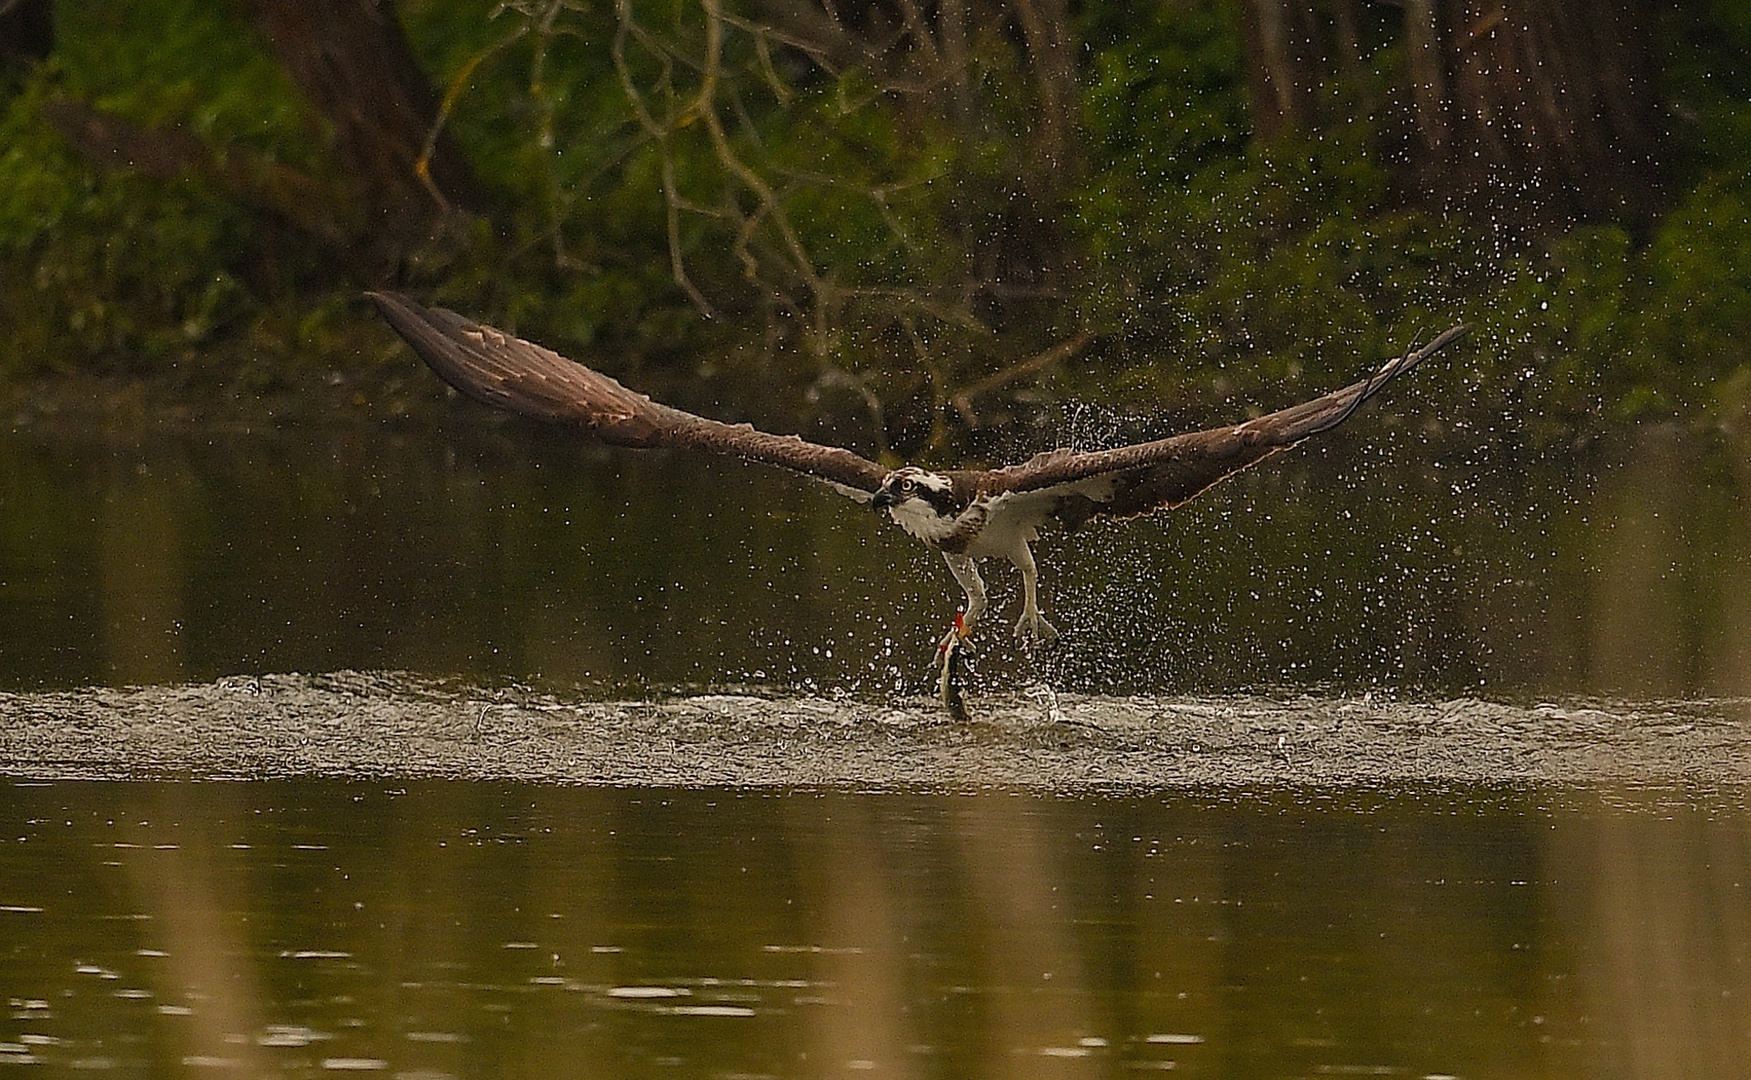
point(407, 726)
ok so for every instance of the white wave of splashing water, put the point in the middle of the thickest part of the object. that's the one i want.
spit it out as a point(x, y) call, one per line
point(394, 725)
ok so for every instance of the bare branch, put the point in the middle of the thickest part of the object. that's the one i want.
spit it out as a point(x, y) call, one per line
point(659, 133)
point(1033, 365)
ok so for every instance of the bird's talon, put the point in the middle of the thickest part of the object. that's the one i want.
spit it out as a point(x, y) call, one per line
point(1035, 631)
point(957, 636)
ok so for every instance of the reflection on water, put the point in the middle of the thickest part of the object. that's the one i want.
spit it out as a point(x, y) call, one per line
point(1389, 560)
point(443, 929)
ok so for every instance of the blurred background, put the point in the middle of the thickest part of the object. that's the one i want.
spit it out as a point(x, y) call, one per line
point(912, 229)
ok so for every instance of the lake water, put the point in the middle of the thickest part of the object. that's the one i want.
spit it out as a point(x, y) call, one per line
point(1376, 558)
point(436, 929)
point(466, 753)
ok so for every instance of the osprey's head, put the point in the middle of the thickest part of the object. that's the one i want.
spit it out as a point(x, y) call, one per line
point(921, 501)
point(912, 485)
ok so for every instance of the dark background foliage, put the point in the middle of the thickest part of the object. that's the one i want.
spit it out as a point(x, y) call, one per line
point(908, 227)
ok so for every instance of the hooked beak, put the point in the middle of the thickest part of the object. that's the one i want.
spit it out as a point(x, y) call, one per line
point(883, 500)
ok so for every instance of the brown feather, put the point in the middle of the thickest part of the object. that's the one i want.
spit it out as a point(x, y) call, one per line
point(507, 372)
point(1167, 472)
point(510, 373)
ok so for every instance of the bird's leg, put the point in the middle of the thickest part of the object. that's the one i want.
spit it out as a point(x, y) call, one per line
point(952, 650)
point(966, 572)
point(1032, 627)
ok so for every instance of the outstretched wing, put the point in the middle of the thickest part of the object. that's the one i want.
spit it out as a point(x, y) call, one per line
point(510, 373)
point(1135, 479)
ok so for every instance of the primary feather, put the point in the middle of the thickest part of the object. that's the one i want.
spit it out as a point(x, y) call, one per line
point(510, 373)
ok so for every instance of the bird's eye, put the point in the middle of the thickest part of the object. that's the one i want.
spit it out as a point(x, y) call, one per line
point(907, 487)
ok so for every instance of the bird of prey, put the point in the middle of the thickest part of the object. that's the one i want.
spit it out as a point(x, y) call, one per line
point(967, 514)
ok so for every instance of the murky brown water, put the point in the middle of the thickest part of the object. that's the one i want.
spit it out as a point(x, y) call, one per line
point(476, 756)
point(1455, 565)
point(435, 929)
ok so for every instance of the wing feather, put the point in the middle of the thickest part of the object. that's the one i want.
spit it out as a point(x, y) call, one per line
point(1167, 472)
point(509, 373)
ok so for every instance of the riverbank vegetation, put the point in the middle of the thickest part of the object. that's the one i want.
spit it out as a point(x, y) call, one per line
point(901, 225)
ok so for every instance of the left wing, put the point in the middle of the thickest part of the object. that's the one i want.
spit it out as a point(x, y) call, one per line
point(510, 373)
point(1130, 480)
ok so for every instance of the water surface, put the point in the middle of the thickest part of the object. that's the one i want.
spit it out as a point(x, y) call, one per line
point(1380, 557)
point(436, 929)
point(470, 753)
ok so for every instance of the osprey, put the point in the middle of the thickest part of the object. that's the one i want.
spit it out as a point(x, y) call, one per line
point(967, 514)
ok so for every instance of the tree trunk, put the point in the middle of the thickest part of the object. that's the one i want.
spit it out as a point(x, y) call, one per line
point(1534, 113)
point(1293, 48)
point(27, 33)
point(1051, 52)
point(352, 61)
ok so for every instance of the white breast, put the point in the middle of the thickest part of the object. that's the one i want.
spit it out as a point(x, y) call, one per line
point(1011, 521)
point(1003, 526)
